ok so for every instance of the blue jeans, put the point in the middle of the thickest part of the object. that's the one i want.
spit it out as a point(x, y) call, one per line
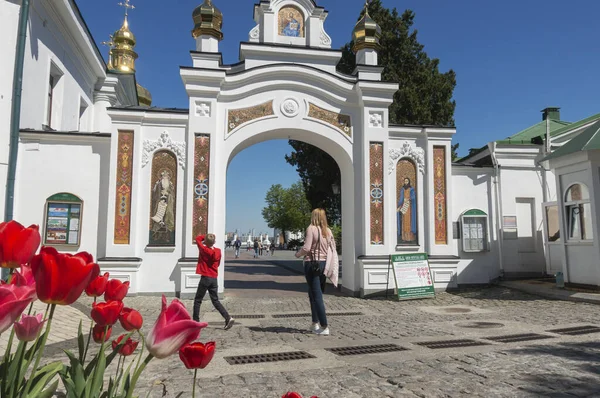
point(237, 252)
point(315, 294)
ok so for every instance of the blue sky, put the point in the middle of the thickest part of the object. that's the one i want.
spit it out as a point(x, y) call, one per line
point(512, 58)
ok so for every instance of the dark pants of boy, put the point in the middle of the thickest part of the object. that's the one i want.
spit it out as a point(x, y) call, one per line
point(212, 286)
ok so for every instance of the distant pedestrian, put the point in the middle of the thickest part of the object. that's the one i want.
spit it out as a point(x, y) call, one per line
point(209, 259)
point(272, 248)
point(260, 248)
point(318, 239)
point(237, 245)
point(255, 248)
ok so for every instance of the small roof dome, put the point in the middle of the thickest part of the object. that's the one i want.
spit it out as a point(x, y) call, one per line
point(366, 33)
point(124, 35)
point(144, 96)
point(208, 20)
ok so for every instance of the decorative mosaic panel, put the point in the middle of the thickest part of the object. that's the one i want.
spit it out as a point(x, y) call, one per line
point(338, 120)
point(291, 22)
point(163, 193)
point(376, 191)
point(439, 195)
point(407, 213)
point(201, 185)
point(124, 179)
point(237, 117)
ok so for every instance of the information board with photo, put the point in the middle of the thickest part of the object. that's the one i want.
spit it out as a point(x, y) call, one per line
point(63, 223)
point(412, 276)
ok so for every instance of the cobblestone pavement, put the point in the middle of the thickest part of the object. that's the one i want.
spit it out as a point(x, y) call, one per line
point(556, 366)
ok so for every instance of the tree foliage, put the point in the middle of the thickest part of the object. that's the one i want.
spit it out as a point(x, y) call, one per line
point(455, 155)
point(287, 209)
point(424, 97)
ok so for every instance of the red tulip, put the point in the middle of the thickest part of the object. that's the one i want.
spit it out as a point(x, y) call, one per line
point(97, 286)
point(98, 333)
point(197, 355)
point(116, 290)
point(173, 329)
point(61, 278)
point(28, 328)
point(126, 349)
point(291, 395)
point(106, 313)
point(131, 319)
point(13, 301)
point(23, 277)
point(17, 244)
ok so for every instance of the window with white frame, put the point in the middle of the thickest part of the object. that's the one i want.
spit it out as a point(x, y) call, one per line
point(474, 231)
point(578, 211)
point(52, 110)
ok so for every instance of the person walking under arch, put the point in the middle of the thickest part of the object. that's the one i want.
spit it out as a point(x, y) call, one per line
point(314, 251)
point(209, 259)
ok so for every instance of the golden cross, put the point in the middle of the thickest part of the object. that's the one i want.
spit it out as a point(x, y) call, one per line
point(127, 6)
point(109, 42)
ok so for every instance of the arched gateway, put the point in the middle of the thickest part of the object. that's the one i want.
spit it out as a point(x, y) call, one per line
point(285, 86)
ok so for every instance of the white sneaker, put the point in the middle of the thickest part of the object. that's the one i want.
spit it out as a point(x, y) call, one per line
point(315, 326)
point(323, 332)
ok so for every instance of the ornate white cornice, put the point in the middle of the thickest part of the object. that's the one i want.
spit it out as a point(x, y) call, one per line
point(164, 142)
point(410, 151)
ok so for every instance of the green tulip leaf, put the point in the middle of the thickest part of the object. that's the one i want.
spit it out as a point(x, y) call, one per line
point(42, 377)
point(49, 392)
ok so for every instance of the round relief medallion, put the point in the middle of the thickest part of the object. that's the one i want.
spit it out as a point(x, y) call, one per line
point(290, 107)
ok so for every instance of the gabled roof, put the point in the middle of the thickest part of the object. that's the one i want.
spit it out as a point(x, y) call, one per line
point(537, 130)
point(587, 140)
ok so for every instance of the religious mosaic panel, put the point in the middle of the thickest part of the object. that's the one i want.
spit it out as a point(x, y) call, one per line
point(439, 195)
point(201, 185)
point(338, 120)
point(291, 22)
point(124, 179)
point(376, 194)
point(237, 117)
point(163, 202)
point(406, 209)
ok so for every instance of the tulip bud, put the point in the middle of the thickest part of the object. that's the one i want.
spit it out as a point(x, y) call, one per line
point(116, 290)
point(17, 244)
point(97, 286)
point(98, 333)
point(131, 319)
point(28, 328)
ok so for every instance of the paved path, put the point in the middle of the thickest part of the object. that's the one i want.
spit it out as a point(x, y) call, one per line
point(551, 365)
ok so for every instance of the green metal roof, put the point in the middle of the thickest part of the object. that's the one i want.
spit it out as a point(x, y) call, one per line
point(537, 130)
point(575, 125)
point(587, 140)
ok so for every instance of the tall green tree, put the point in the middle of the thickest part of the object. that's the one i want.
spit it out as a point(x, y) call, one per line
point(287, 209)
point(424, 97)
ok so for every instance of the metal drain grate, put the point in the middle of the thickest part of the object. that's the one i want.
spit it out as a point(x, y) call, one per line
point(248, 316)
point(514, 338)
point(291, 315)
point(451, 343)
point(345, 314)
point(578, 330)
point(366, 349)
point(265, 358)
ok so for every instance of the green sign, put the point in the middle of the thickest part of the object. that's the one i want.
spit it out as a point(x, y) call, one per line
point(412, 276)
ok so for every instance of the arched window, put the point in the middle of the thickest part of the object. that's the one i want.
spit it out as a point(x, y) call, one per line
point(474, 231)
point(63, 220)
point(578, 211)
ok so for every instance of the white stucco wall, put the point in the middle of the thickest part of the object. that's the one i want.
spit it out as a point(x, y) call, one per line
point(50, 164)
point(473, 188)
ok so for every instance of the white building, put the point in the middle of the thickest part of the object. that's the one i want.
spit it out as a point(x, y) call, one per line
point(145, 181)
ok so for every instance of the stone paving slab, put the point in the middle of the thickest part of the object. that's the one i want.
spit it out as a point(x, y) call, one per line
point(550, 291)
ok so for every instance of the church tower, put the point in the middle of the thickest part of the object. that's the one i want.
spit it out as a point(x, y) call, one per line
point(208, 24)
point(366, 36)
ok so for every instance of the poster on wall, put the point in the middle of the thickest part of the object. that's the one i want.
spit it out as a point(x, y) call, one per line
point(63, 224)
point(412, 276)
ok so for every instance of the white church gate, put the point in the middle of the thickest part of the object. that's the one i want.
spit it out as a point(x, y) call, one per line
point(173, 163)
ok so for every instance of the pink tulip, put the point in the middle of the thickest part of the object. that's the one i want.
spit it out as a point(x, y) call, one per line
point(23, 277)
point(28, 327)
point(173, 329)
point(13, 301)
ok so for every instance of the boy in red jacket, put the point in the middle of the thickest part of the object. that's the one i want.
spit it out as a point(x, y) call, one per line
point(209, 260)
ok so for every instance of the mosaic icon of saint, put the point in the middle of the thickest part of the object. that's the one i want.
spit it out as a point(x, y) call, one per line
point(407, 214)
point(163, 200)
point(292, 28)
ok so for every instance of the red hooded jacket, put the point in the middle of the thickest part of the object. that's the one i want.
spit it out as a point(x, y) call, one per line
point(209, 259)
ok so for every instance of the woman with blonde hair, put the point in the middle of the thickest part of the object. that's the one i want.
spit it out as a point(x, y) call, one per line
point(316, 242)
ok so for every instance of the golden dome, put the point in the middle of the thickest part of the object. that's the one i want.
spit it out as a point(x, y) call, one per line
point(144, 96)
point(366, 33)
point(122, 55)
point(208, 20)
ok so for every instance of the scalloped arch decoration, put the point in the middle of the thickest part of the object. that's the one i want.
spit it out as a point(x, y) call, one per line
point(407, 150)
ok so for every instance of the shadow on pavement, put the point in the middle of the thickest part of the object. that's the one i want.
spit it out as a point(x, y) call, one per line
point(277, 329)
